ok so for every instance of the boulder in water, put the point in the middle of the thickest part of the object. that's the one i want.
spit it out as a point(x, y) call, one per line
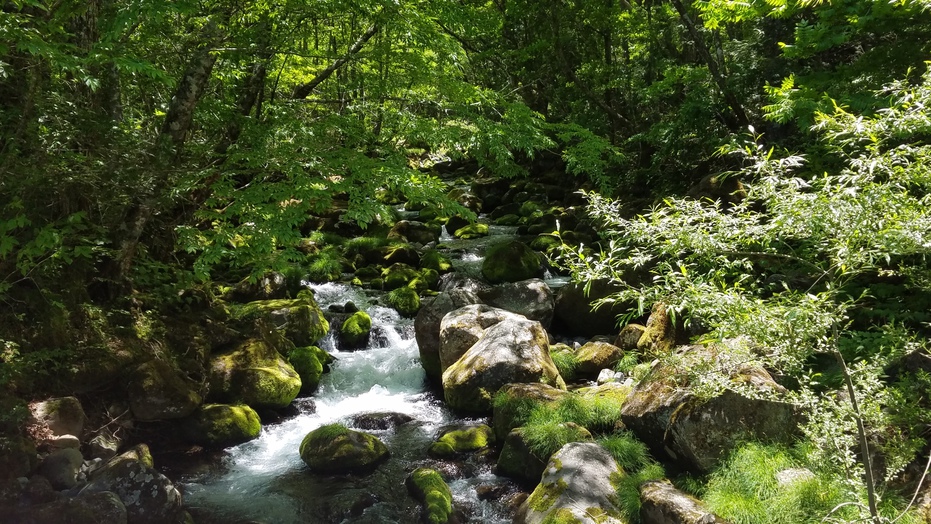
point(413, 231)
point(511, 261)
point(461, 438)
point(301, 319)
point(513, 350)
point(309, 362)
point(405, 301)
point(380, 421)
point(427, 327)
point(222, 425)
point(253, 373)
point(471, 231)
point(578, 485)
point(356, 330)
point(334, 448)
point(429, 488)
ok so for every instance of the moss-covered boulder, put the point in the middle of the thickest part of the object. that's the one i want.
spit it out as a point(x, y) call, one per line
point(698, 432)
point(463, 438)
point(513, 350)
point(629, 336)
point(428, 487)
point(595, 356)
point(157, 391)
point(545, 242)
point(471, 231)
point(334, 448)
point(507, 220)
point(659, 335)
point(399, 275)
point(433, 259)
point(222, 425)
point(520, 461)
point(309, 362)
point(356, 330)
point(511, 261)
point(404, 300)
point(253, 373)
point(579, 485)
point(272, 285)
point(427, 327)
point(513, 403)
point(300, 319)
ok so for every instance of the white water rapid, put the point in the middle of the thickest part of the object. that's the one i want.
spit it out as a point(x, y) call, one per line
point(265, 480)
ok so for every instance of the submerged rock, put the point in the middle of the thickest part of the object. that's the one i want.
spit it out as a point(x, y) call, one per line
point(513, 350)
point(334, 448)
point(579, 485)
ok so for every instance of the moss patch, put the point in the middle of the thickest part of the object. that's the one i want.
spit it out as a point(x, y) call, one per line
point(308, 362)
point(222, 425)
point(429, 488)
point(356, 329)
point(405, 301)
point(462, 440)
point(333, 448)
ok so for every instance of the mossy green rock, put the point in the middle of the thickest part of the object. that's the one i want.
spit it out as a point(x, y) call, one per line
point(472, 231)
point(461, 439)
point(356, 329)
point(659, 335)
point(399, 275)
point(405, 301)
point(511, 261)
point(223, 425)
point(514, 402)
point(545, 243)
point(301, 319)
point(429, 488)
point(508, 220)
point(336, 449)
point(433, 259)
point(518, 461)
point(309, 362)
point(253, 373)
point(158, 391)
point(595, 356)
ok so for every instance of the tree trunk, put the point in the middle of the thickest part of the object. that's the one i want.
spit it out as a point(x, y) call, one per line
point(303, 90)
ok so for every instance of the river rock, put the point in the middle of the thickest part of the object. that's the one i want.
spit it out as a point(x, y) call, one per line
point(301, 319)
point(356, 330)
point(309, 362)
point(458, 281)
point(413, 231)
point(511, 261)
point(662, 503)
point(629, 336)
point(427, 327)
point(531, 298)
point(62, 416)
point(491, 191)
point(516, 400)
point(333, 448)
point(157, 391)
point(428, 487)
point(579, 485)
point(61, 468)
point(379, 421)
point(149, 497)
point(518, 461)
point(698, 433)
point(222, 425)
point(253, 373)
point(93, 508)
point(595, 356)
point(575, 314)
point(433, 259)
point(461, 438)
point(462, 328)
point(659, 335)
point(513, 350)
point(404, 300)
point(401, 275)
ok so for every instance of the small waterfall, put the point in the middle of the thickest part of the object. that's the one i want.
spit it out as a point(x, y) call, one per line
point(266, 481)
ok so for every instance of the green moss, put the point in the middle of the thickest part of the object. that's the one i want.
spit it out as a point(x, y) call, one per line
point(333, 448)
point(305, 321)
point(399, 275)
point(405, 300)
point(545, 243)
point(222, 425)
point(433, 259)
point(507, 220)
point(307, 362)
point(472, 231)
point(510, 261)
point(565, 360)
point(356, 329)
point(565, 516)
point(428, 487)
point(545, 495)
point(462, 440)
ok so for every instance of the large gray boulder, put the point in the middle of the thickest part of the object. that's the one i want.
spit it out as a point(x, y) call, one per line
point(513, 350)
point(158, 391)
point(148, 496)
point(462, 328)
point(699, 432)
point(61, 468)
point(662, 503)
point(531, 298)
point(579, 485)
point(427, 327)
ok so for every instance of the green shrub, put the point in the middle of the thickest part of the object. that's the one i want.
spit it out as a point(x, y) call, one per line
point(325, 266)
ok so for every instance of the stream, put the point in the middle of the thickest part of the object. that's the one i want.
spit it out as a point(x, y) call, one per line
point(264, 480)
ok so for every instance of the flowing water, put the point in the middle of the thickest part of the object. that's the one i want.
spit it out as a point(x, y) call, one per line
point(265, 480)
